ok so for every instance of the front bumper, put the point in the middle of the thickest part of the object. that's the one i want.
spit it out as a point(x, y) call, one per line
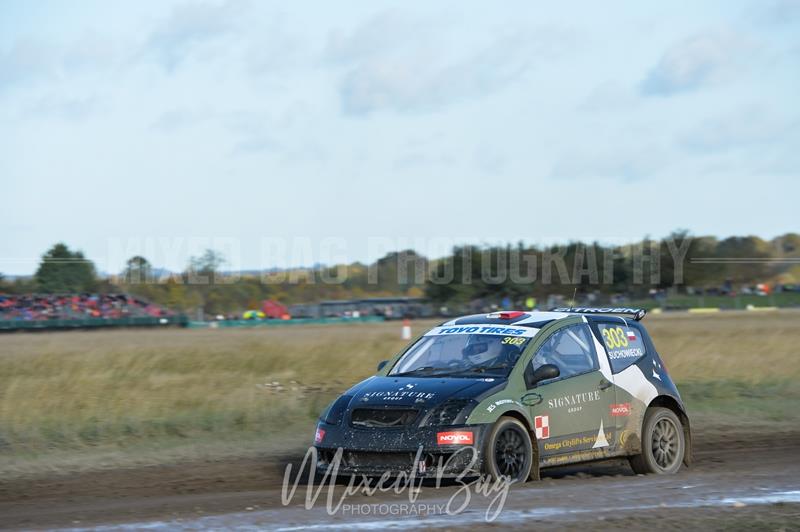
point(425, 451)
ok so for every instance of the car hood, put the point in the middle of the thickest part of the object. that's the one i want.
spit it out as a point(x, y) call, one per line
point(418, 391)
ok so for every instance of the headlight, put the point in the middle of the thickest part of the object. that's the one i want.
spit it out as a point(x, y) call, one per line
point(451, 412)
point(334, 413)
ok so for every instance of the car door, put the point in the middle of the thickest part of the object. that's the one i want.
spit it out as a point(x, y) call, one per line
point(571, 412)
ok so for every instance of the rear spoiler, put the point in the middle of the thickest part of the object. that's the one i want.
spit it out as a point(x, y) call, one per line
point(635, 313)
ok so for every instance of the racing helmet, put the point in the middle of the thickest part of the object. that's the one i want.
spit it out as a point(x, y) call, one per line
point(479, 350)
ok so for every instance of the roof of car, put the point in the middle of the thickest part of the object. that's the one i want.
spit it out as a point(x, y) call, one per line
point(529, 319)
point(539, 319)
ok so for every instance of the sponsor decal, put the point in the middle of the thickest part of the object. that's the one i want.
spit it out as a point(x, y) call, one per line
point(454, 438)
point(633, 352)
point(494, 405)
point(483, 329)
point(620, 409)
point(574, 401)
point(577, 456)
point(576, 441)
point(393, 395)
point(542, 426)
point(606, 310)
point(319, 435)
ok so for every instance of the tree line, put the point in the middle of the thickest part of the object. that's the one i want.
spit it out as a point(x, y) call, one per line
point(677, 263)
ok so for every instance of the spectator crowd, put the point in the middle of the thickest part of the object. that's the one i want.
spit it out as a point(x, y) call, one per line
point(76, 306)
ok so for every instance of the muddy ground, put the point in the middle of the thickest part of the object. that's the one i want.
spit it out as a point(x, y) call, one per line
point(751, 480)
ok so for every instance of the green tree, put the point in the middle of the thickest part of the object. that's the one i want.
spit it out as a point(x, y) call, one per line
point(62, 270)
point(206, 268)
point(137, 271)
point(204, 279)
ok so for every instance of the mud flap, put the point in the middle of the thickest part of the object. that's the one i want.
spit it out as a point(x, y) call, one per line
point(687, 452)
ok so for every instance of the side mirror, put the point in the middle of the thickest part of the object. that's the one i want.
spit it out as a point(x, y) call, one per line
point(542, 373)
point(381, 364)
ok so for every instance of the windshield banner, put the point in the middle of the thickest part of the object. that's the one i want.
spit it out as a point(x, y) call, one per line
point(483, 329)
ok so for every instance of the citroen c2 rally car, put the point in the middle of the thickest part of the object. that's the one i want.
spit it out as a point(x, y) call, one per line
point(522, 390)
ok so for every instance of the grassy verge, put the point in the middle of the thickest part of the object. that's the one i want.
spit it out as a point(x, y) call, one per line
point(109, 398)
point(177, 392)
point(740, 302)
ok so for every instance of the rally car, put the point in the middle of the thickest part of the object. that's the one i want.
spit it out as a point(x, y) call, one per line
point(521, 391)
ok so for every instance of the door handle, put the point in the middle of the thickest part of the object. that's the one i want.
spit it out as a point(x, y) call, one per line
point(604, 384)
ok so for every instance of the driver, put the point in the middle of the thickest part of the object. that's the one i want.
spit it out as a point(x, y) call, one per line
point(488, 352)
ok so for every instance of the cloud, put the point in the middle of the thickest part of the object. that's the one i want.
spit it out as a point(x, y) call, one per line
point(695, 62)
point(254, 132)
point(489, 159)
point(387, 31)
point(71, 109)
point(275, 49)
point(416, 80)
point(776, 12)
point(30, 61)
point(750, 126)
point(402, 62)
point(176, 119)
point(624, 164)
point(422, 159)
point(610, 96)
point(191, 25)
point(26, 61)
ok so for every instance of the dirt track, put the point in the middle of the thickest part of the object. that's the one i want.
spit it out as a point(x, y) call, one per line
point(733, 482)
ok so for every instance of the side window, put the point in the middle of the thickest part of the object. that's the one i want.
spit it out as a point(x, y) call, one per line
point(623, 342)
point(571, 349)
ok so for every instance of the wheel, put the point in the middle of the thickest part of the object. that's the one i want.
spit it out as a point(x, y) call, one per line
point(663, 443)
point(508, 452)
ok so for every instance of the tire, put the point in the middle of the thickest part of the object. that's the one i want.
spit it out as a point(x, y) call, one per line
point(663, 444)
point(508, 452)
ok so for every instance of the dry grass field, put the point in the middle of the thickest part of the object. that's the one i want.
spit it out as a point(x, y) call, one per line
point(105, 398)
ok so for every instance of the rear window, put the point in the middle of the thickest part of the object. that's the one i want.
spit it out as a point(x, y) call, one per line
point(624, 343)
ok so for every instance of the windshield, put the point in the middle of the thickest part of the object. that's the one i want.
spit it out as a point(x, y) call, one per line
point(465, 350)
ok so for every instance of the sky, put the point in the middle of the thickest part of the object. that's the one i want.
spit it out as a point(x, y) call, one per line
point(293, 133)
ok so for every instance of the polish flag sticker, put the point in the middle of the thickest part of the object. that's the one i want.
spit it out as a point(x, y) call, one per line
point(542, 426)
point(631, 336)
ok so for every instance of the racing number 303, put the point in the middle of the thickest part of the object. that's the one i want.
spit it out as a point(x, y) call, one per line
point(511, 340)
point(615, 337)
